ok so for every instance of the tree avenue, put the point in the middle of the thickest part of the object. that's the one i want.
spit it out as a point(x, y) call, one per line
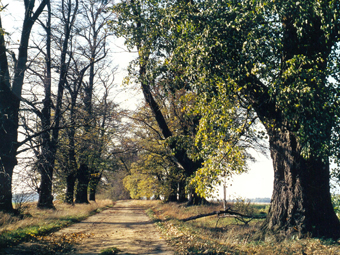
point(210, 72)
point(275, 61)
point(51, 94)
point(136, 23)
point(142, 26)
point(10, 96)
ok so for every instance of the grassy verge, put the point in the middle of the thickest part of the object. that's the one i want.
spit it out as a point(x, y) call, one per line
point(36, 223)
point(227, 235)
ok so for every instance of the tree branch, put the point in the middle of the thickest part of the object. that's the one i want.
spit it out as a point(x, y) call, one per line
point(228, 211)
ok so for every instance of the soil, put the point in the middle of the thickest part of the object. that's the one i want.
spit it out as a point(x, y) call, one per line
point(124, 227)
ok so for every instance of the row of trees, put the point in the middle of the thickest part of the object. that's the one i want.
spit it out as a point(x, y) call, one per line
point(234, 64)
point(218, 78)
point(199, 160)
point(55, 93)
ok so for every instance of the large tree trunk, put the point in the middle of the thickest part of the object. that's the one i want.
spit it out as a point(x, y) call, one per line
point(8, 148)
point(83, 183)
point(7, 161)
point(45, 190)
point(301, 201)
point(181, 191)
point(46, 158)
point(93, 186)
point(70, 183)
point(6, 172)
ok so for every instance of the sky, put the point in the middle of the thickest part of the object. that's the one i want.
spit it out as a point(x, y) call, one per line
point(257, 183)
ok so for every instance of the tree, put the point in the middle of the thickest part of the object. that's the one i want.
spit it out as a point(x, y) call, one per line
point(38, 107)
point(155, 172)
point(10, 97)
point(60, 41)
point(278, 59)
point(94, 32)
point(97, 147)
point(136, 23)
point(107, 117)
point(71, 33)
point(69, 11)
point(73, 85)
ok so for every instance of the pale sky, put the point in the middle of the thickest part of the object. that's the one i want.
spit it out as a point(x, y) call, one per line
point(258, 182)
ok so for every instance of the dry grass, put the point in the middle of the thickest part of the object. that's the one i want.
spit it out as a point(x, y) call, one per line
point(200, 236)
point(35, 216)
point(203, 236)
point(35, 222)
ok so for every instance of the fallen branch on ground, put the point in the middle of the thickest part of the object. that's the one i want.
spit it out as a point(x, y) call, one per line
point(228, 211)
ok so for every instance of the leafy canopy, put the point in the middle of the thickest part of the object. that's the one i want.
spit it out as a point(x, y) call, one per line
point(281, 55)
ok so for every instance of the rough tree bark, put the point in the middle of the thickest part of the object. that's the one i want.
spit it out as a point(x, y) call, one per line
point(93, 184)
point(301, 201)
point(70, 184)
point(8, 134)
point(8, 131)
point(82, 185)
point(71, 173)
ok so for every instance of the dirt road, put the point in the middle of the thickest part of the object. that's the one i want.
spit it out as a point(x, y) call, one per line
point(124, 226)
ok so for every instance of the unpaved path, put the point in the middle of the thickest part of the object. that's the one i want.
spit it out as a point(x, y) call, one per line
point(124, 226)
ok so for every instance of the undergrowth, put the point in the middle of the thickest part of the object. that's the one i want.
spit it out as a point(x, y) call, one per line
point(227, 235)
point(36, 223)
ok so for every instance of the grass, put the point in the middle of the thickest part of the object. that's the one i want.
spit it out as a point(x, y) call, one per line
point(213, 235)
point(208, 235)
point(110, 251)
point(35, 223)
